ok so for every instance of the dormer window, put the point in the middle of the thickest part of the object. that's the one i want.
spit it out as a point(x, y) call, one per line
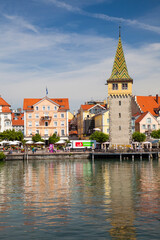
point(124, 86)
point(115, 86)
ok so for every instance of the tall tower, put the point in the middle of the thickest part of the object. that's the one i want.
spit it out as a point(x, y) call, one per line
point(120, 93)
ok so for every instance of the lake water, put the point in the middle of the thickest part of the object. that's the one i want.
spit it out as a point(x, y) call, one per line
point(80, 200)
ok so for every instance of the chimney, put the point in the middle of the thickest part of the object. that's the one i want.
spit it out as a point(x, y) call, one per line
point(157, 98)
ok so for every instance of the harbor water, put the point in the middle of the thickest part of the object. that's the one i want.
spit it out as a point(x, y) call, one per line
point(80, 199)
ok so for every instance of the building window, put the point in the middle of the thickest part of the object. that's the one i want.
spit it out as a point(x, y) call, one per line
point(43, 108)
point(55, 115)
point(119, 103)
point(62, 123)
point(37, 124)
point(107, 130)
point(143, 126)
point(5, 116)
point(115, 86)
point(46, 124)
point(55, 108)
point(46, 132)
point(48, 108)
point(154, 126)
point(119, 128)
point(29, 131)
point(55, 131)
point(148, 120)
point(119, 115)
point(37, 115)
point(29, 124)
point(30, 115)
point(107, 120)
point(46, 114)
point(62, 132)
point(36, 108)
point(124, 86)
point(62, 115)
point(7, 123)
point(55, 124)
point(37, 131)
point(149, 126)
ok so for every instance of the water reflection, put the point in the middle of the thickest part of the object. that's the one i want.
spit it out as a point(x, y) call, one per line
point(109, 199)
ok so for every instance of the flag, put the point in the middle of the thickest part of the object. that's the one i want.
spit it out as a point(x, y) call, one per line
point(46, 91)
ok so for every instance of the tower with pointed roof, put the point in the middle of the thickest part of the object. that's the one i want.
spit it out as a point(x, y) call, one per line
point(120, 94)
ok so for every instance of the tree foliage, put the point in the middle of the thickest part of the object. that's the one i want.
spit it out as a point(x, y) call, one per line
point(11, 135)
point(54, 138)
point(155, 134)
point(2, 156)
point(37, 138)
point(138, 137)
point(99, 137)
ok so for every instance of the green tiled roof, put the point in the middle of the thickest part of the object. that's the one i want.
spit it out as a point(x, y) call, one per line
point(119, 71)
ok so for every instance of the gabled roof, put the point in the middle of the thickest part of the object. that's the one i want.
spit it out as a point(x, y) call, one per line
point(19, 121)
point(29, 102)
point(148, 103)
point(3, 102)
point(119, 70)
point(141, 117)
point(89, 106)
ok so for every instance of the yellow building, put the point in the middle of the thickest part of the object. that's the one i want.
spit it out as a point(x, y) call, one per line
point(102, 121)
point(85, 120)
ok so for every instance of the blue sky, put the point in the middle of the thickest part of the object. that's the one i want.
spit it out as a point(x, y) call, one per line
point(69, 46)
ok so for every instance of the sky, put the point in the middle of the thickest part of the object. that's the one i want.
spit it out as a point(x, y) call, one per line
point(69, 47)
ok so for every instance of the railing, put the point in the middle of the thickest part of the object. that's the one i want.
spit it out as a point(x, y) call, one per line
point(45, 118)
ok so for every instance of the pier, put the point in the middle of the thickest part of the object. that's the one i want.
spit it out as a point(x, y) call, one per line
point(126, 155)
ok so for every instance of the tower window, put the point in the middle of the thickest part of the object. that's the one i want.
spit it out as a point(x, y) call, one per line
point(119, 128)
point(124, 86)
point(115, 86)
point(119, 103)
point(119, 115)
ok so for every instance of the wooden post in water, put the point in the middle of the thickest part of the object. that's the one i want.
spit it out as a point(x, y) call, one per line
point(141, 157)
point(132, 158)
point(120, 157)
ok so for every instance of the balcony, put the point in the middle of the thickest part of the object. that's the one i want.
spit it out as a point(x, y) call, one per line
point(46, 118)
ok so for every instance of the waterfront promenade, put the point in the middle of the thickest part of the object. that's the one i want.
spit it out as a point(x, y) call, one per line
point(62, 155)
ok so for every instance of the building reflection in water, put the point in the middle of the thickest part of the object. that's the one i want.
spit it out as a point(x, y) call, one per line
point(149, 190)
point(122, 205)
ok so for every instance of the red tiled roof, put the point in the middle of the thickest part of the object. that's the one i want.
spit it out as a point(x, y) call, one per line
point(141, 117)
point(3, 102)
point(148, 103)
point(88, 106)
point(19, 121)
point(6, 109)
point(29, 102)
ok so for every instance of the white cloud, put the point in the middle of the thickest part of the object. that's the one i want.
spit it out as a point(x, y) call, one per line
point(105, 17)
point(71, 65)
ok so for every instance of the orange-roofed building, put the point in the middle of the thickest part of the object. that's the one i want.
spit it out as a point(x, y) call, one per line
point(46, 116)
point(143, 104)
point(5, 116)
point(146, 123)
point(18, 121)
point(85, 120)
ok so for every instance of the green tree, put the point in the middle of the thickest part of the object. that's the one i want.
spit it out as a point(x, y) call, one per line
point(138, 137)
point(99, 137)
point(37, 138)
point(54, 138)
point(11, 135)
point(2, 156)
point(155, 134)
